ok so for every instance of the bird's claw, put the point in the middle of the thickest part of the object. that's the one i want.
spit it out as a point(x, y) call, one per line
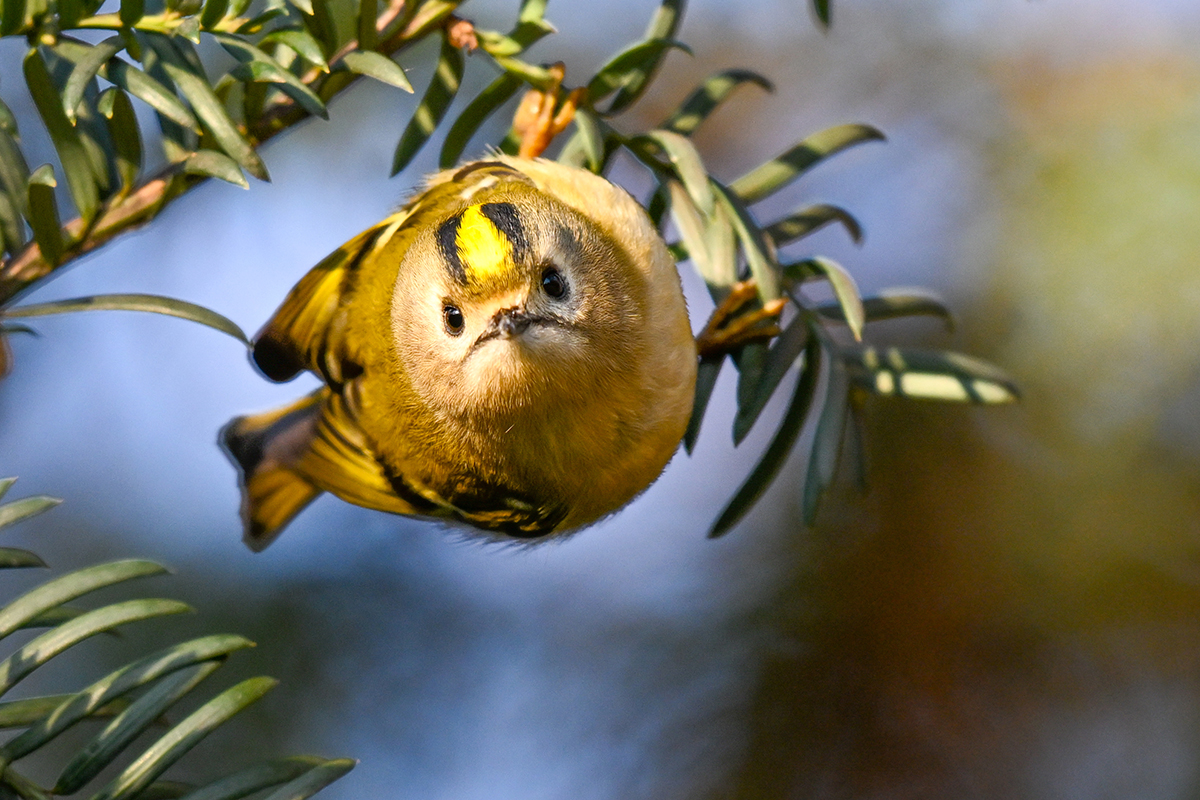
point(535, 121)
point(727, 329)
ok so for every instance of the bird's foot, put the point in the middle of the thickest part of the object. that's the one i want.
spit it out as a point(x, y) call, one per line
point(535, 120)
point(727, 329)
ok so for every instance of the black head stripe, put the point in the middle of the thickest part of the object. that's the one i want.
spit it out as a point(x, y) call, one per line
point(447, 236)
point(506, 219)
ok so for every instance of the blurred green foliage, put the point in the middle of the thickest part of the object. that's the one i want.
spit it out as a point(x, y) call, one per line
point(133, 699)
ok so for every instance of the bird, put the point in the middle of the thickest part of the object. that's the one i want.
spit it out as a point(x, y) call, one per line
point(509, 353)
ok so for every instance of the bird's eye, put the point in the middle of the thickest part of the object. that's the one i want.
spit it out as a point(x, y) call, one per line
point(554, 284)
point(454, 320)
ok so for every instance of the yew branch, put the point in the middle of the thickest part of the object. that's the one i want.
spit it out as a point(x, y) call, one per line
point(124, 213)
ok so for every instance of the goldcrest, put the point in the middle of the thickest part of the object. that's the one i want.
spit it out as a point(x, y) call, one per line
point(510, 351)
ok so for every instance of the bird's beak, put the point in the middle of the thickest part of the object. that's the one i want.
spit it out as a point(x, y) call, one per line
point(507, 323)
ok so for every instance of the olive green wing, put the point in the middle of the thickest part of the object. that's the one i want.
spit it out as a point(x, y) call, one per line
point(307, 331)
point(339, 460)
point(287, 457)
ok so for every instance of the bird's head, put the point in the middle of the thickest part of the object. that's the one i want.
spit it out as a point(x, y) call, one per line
point(512, 299)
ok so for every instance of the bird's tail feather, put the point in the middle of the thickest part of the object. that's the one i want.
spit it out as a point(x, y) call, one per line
point(267, 449)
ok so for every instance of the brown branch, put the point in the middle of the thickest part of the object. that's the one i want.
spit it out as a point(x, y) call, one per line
point(124, 213)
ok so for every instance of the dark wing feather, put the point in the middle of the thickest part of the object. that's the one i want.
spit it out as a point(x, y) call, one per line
point(339, 460)
point(303, 332)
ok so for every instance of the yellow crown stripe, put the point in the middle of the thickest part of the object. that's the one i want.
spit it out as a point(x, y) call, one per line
point(484, 250)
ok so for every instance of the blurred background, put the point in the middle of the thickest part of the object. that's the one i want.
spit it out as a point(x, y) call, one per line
point(1008, 610)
